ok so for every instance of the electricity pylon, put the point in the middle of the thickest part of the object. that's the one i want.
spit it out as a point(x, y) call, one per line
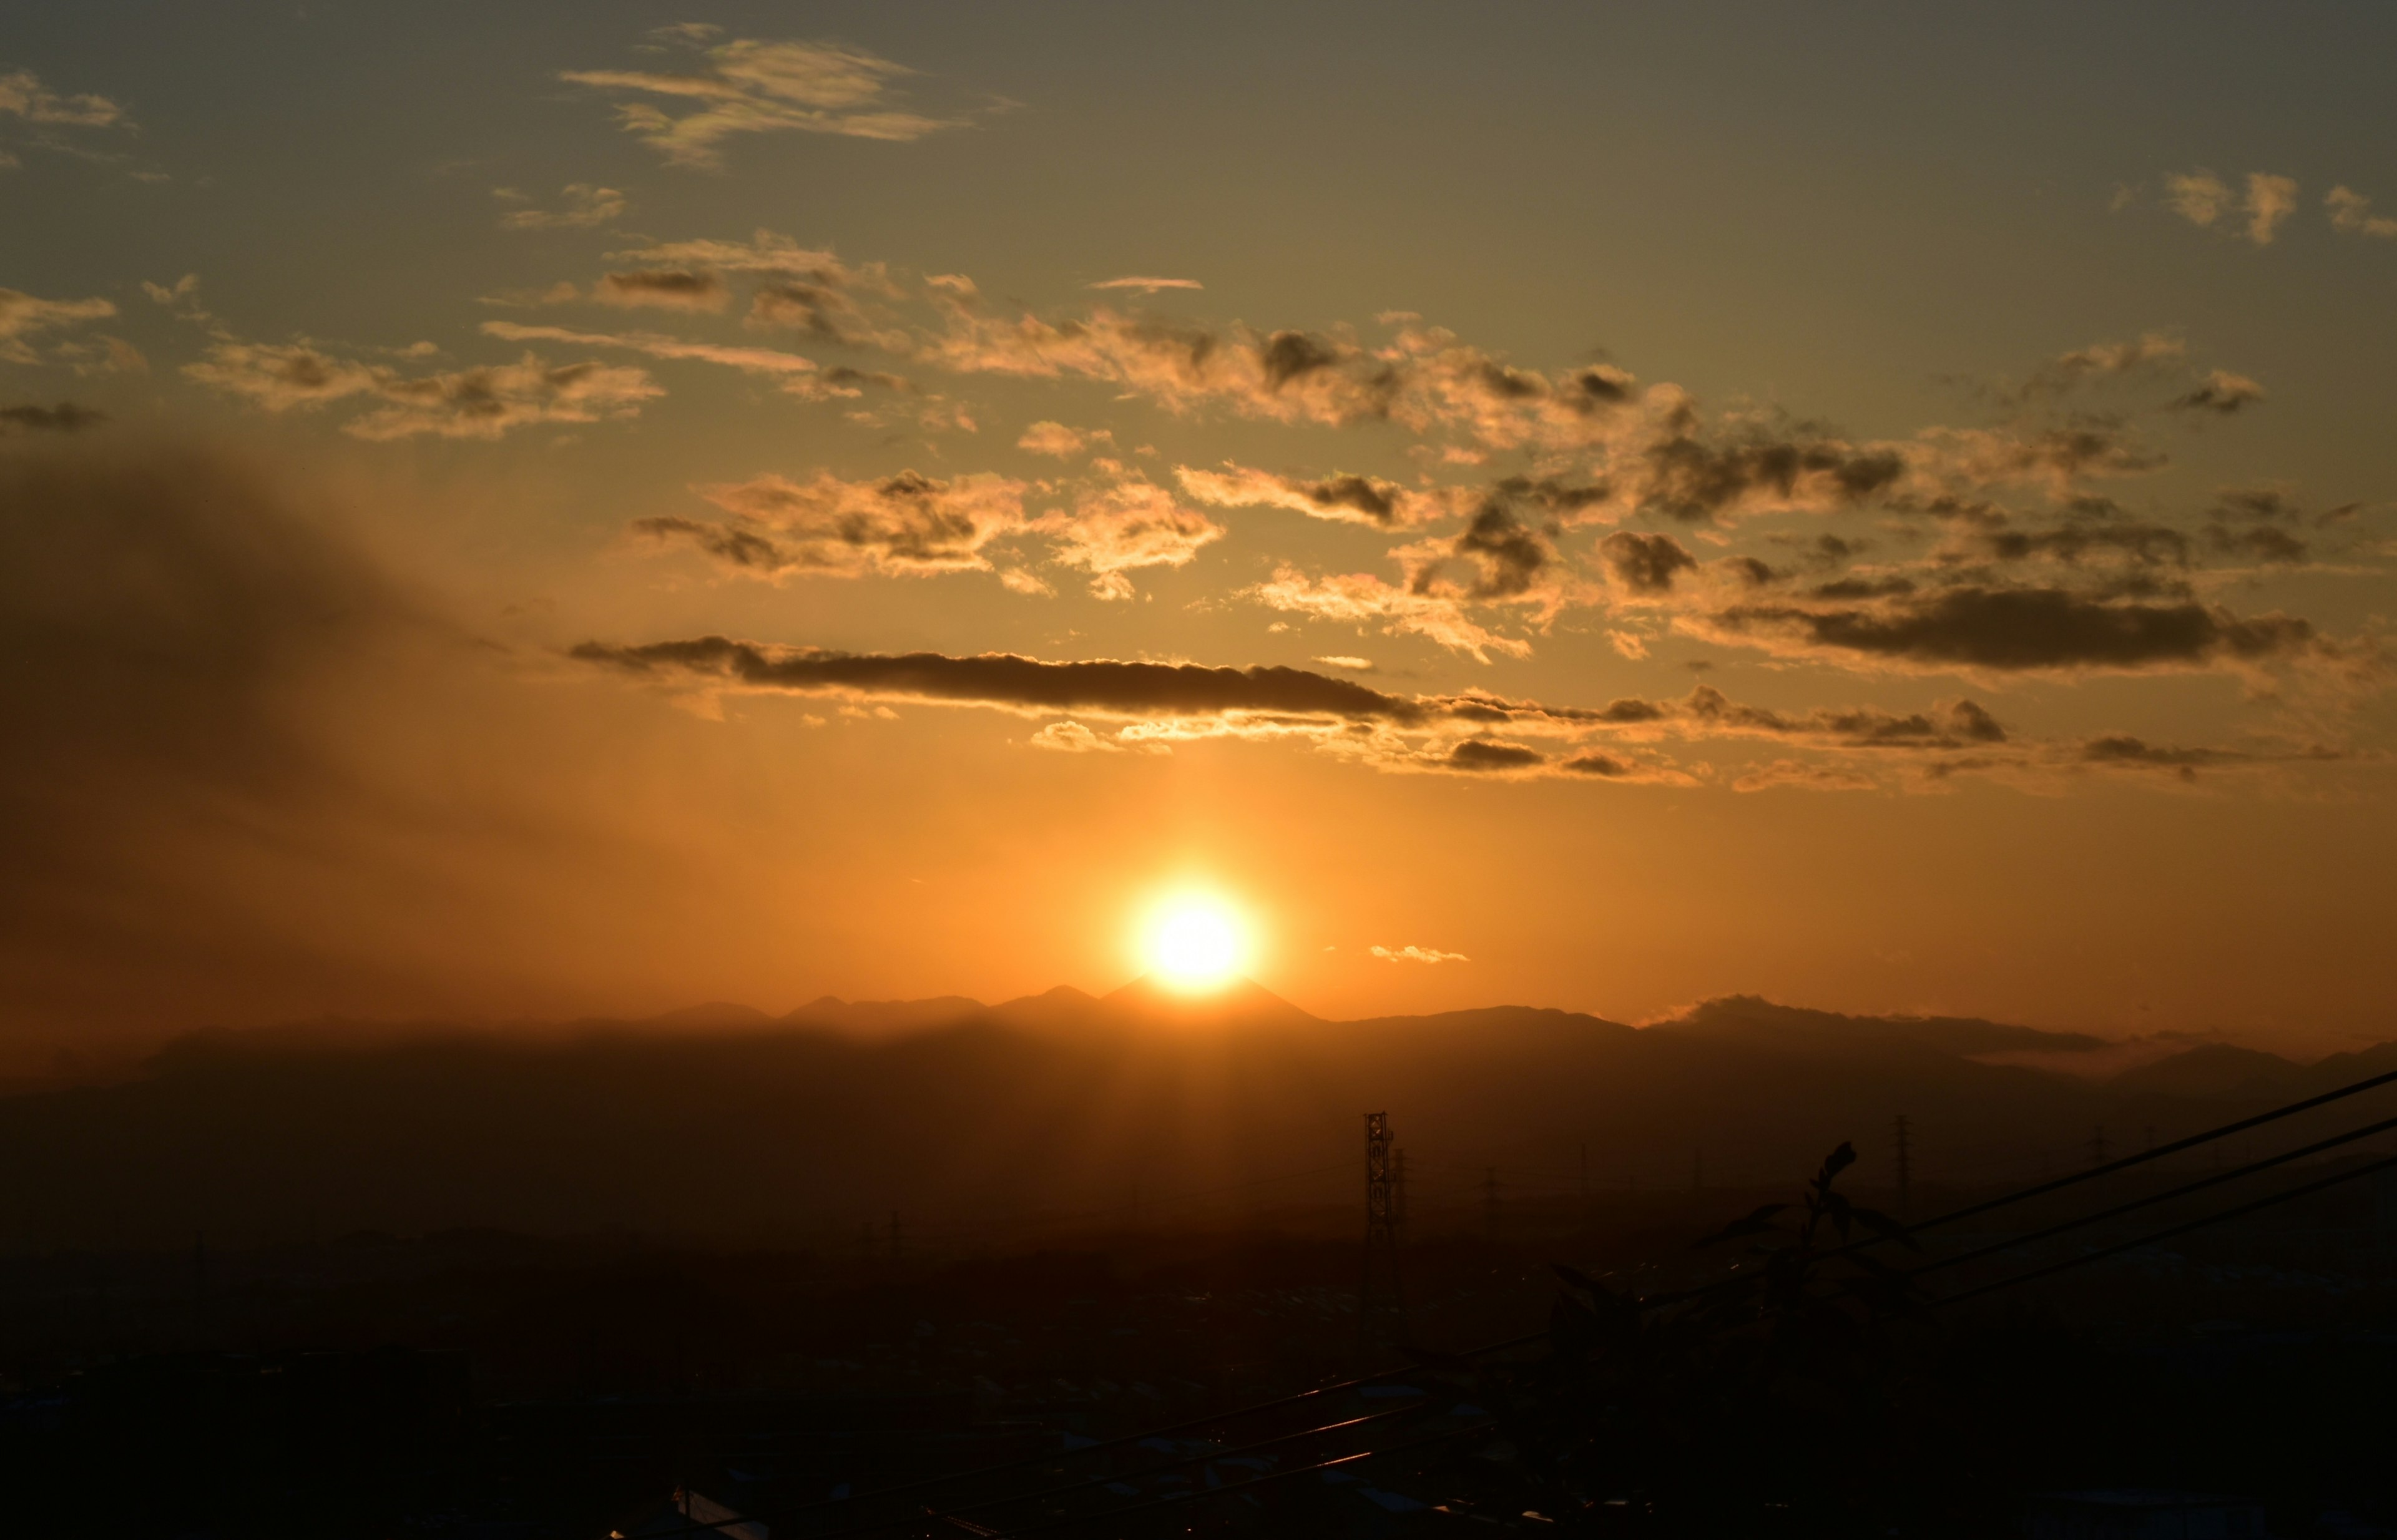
point(1381, 1303)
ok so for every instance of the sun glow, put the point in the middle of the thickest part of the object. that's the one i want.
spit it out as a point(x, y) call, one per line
point(1195, 942)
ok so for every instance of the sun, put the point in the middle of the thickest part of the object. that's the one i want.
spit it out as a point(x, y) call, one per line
point(1195, 942)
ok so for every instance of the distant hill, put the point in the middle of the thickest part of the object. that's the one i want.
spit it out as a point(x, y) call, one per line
point(974, 1120)
point(2214, 1070)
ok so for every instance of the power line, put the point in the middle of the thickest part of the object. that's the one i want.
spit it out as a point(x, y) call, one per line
point(2215, 1180)
point(2151, 1238)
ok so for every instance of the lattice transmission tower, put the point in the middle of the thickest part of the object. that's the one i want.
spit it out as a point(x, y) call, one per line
point(1381, 1303)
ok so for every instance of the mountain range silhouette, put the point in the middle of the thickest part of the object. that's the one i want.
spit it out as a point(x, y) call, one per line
point(723, 1122)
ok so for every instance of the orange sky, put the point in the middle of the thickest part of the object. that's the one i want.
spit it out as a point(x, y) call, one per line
point(576, 515)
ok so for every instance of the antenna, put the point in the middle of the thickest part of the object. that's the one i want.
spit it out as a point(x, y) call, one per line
point(1381, 1303)
point(1904, 1133)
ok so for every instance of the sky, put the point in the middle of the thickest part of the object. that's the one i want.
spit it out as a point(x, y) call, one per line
point(543, 510)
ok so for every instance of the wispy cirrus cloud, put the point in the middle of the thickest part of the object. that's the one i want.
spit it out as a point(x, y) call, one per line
point(23, 95)
point(1416, 954)
point(23, 315)
point(797, 370)
point(1146, 286)
point(582, 206)
point(749, 85)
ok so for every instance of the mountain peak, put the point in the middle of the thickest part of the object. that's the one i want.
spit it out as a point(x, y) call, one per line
point(1242, 1002)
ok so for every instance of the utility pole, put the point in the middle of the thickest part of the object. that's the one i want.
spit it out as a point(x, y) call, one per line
point(1905, 1134)
point(1381, 1303)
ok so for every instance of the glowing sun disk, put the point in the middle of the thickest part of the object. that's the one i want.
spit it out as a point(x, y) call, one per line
point(1194, 944)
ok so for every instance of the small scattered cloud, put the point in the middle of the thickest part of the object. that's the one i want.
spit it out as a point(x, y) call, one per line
point(1064, 443)
point(663, 288)
point(582, 206)
point(1346, 663)
point(1482, 754)
point(2202, 199)
point(23, 95)
point(66, 417)
point(907, 525)
point(2200, 196)
point(1416, 954)
point(1116, 529)
point(2270, 200)
point(1361, 599)
point(2350, 211)
point(1342, 498)
point(2220, 391)
point(1073, 738)
point(1645, 563)
point(483, 402)
point(748, 85)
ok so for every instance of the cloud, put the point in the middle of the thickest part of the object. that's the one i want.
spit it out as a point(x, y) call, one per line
point(1680, 475)
point(23, 95)
point(2017, 630)
point(1280, 376)
point(66, 417)
point(748, 86)
point(21, 315)
point(1343, 499)
point(1361, 599)
point(2349, 211)
point(2220, 391)
point(1074, 738)
point(484, 402)
point(906, 525)
point(1645, 563)
point(2203, 198)
point(1346, 663)
point(2200, 196)
point(824, 311)
point(1004, 682)
point(1146, 286)
point(768, 253)
point(1056, 438)
point(1482, 753)
point(2102, 361)
point(2270, 200)
point(663, 288)
point(1809, 775)
point(795, 371)
point(1129, 525)
point(585, 206)
point(1417, 954)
